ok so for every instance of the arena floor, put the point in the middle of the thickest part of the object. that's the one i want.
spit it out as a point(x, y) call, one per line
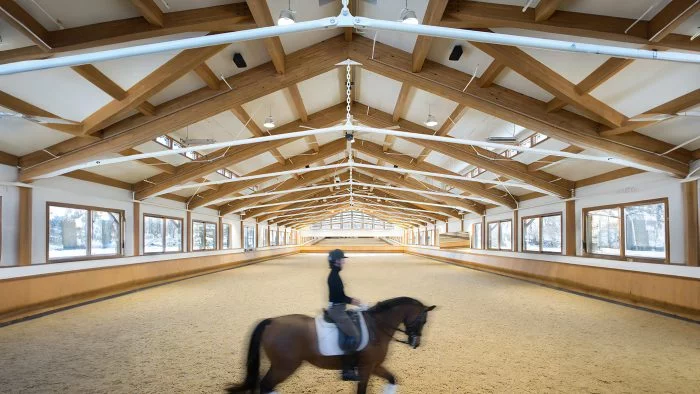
point(489, 334)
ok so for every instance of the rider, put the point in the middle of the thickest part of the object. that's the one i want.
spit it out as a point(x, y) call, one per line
point(338, 301)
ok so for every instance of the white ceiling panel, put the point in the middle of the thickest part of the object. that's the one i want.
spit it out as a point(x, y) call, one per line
point(253, 52)
point(152, 146)
point(473, 61)
point(446, 162)
point(478, 126)
point(59, 90)
point(407, 147)
point(676, 131)
point(364, 157)
point(421, 101)
point(255, 163)
point(530, 157)
point(322, 91)
point(574, 169)
point(294, 148)
point(187, 83)
point(11, 38)
point(279, 104)
point(377, 91)
point(221, 127)
point(391, 10)
point(182, 5)
point(129, 171)
point(20, 137)
point(631, 9)
point(78, 12)
point(305, 11)
point(645, 84)
point(514, 81)
point(325, 138)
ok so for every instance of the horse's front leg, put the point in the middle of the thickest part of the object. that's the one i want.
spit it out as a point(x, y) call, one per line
point(365, 372)
point(382, 372)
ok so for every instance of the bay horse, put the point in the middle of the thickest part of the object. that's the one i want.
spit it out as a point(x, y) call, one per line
point(290, 340)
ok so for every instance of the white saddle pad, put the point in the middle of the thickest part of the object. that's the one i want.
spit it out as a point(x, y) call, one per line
point(327, 334)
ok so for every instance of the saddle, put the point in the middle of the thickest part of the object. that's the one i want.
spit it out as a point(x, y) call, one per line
point(333, 342)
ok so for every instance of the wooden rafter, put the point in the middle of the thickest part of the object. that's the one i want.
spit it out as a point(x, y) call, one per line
point(402, 103)
point(20, 19)
point(150, 11)
point(244, 118)
point(670, 17)
point(549, 160)
point(97, 78)
point(298, 102)
point(22, 107)
point(347, 31)
point(224, 18)
point(512, 107)
point(455, 116)
point(477, 15)
point(154, 82)
point(547, 79)
point(207, 76)
point(545, 9)
point(198, 105)
point(433, 15)
point(491, 73)
point(261, 15)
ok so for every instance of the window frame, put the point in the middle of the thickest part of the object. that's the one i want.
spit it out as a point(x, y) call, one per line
point(88, 245)
point(488, 247)
point(216, 239)
point(165, 229)
point(540, 217)
point(228, 239)
point(622, 256)
point(481, 236)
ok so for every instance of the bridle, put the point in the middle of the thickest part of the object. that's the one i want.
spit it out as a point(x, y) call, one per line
point(412, 329)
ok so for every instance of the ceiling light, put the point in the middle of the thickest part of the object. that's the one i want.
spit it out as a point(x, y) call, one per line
point(269, 122)
point(431, 122)
point(287, 16)
point(408, 16)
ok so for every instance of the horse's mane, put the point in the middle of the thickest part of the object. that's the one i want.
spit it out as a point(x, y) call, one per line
point(392, 302)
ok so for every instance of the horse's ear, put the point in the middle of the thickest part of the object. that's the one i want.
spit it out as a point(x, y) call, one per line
point(430, 308)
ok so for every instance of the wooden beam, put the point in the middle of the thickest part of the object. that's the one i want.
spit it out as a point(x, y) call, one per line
point(99, 179)
point(347, 31)
point(690, 221)
point(402, 103)
point(601, 74)
point(137, 228)
point(477, 15)
point(150, 11)
point(570, 228)
point(24, 244)
point(491, 73)
point(676, 105)
point(670, 17)
point(298, 102)
point(207, 75)
point(97, 78)
point(547, 79)
point(198, 105)
point(188, 232)
point(156, 81)
point(549, 160)
point(263, 18)
point(20, 106)
point(608, 176)
point(512, 107)
point(227, 189)
point(445, 129)
point(8, 159)
point(545, 9)
point(224, 18)
point(433, 15)
point(245, 118)
point(151, 161)
point(23, 22)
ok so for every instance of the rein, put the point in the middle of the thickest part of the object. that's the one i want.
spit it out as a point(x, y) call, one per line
point(381, 328)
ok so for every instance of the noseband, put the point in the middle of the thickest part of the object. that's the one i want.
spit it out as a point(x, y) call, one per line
point(412, 329)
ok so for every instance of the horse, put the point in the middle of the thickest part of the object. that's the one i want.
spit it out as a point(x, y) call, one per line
point(290, 340)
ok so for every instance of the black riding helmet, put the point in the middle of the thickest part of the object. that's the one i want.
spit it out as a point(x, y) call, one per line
point(335, 255)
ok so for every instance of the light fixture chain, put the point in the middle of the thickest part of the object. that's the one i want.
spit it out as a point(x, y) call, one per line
point(347, 92)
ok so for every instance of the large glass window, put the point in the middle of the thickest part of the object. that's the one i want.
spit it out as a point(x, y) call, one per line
point(636, 230)
point(500, 235)
point(226, 236)
point(477, 236)
point(542, 233)
point(249, 237)
point(82, 232)
point(203, 235)
point(162, 234)
point(429, 241)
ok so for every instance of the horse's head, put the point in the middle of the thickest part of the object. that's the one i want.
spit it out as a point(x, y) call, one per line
point(414, 322)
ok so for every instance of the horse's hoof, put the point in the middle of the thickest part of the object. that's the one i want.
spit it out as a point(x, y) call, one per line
point(390, 389)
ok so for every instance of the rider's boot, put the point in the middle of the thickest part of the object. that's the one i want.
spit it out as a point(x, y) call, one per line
point(349, 361)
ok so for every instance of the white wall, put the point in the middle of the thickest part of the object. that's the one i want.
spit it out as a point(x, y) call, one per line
point(9, 196)
point(396, 232)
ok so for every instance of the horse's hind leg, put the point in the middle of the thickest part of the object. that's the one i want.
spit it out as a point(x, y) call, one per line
point(384, 373)
point(276, 375)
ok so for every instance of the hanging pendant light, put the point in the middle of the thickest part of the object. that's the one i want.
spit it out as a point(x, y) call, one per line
point(431, 121)
point(287, 16)
point(269, 121)
point(408, 16)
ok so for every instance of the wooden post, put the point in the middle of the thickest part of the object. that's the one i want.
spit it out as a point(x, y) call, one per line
point(570, 228)
point(514, 231)
point(24, 255)
point(188, 225)
point(461, 224)
point(221, 233)
point(690, 200)
point(137, 228)
point(240, 222)
point(484, 232)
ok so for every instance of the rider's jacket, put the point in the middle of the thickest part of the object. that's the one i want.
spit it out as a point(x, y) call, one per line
point(336, 290)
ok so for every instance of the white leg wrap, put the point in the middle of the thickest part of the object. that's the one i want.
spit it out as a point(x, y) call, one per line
point(390, 389)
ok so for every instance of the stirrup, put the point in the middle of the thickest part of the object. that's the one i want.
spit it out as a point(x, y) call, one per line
point(351, 375)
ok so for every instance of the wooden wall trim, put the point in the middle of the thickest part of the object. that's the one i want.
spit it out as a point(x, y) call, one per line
point(667, 293)
point(690, 200)
point(27, 295)
point(570, 228)
point(24, 246)
point(137, 228)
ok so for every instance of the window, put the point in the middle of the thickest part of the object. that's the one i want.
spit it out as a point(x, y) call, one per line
point(429, 241)
point(476, 239)
point(262, 239)
point(162, 234)
point(203, 235)
point(76, 232)
point(249, 237)
point(636, 230)
point(500, 235)
point(542, 234)
point(226, 236)
point(273, 237)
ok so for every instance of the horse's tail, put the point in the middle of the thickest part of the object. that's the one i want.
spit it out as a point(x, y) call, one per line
point(253, 362)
